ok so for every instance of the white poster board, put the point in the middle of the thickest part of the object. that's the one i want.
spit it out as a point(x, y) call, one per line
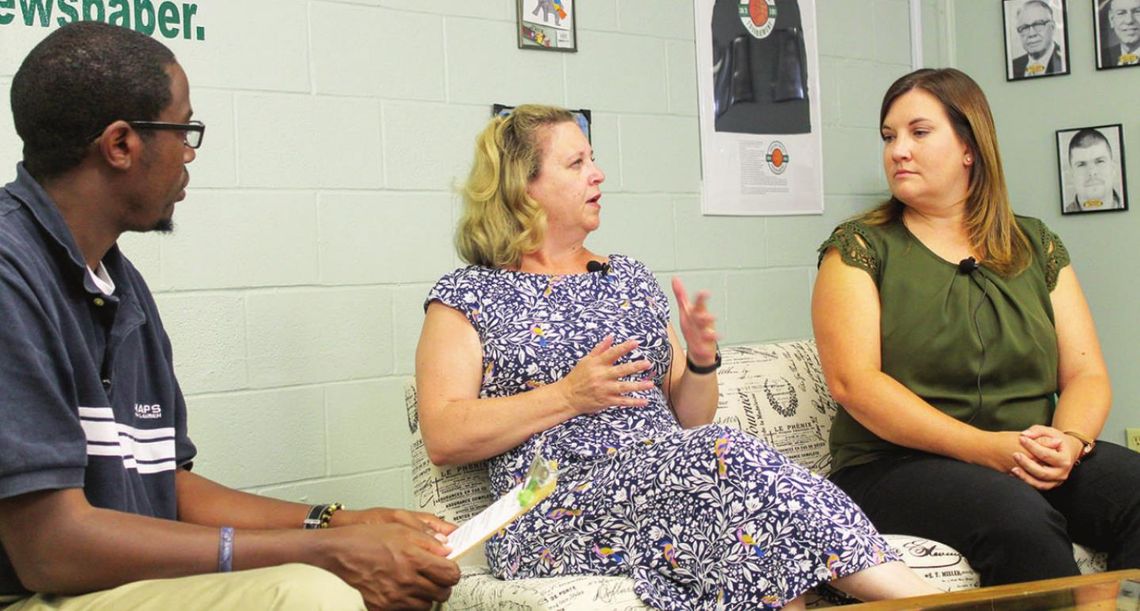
point(760, 120)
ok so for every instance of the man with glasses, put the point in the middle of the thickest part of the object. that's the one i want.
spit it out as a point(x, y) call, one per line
point(98, 505)
point(1035, 29)
point(1124, 19)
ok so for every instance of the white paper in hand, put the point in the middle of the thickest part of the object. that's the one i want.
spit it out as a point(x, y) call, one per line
point(538, 484)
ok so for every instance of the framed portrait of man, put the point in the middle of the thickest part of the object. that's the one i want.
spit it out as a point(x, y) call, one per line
point(1091, 166)
point(1036, 38)
point(1117, 25)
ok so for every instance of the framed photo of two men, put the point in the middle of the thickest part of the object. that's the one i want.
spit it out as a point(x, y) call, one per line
point(1117, 33)
point(1090, 161)
point(1036, 38)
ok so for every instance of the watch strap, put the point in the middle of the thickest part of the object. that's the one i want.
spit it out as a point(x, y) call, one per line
point(705, 369)
point(1088, 444)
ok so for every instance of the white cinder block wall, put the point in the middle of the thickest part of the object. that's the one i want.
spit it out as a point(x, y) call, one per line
point(321, 207)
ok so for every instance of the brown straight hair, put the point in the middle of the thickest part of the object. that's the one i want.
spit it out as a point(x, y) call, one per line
point(990, 225)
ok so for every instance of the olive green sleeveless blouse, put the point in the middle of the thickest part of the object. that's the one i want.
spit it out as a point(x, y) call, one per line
point(978, 347)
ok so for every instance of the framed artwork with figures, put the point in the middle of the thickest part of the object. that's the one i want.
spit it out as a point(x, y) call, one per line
point(548, 25)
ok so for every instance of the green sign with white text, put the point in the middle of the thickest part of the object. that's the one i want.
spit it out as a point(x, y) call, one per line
point(160, 18)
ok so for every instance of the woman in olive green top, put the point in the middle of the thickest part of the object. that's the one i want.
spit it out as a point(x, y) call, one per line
point(958, 341)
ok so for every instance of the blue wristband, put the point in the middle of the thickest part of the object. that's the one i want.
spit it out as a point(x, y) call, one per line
point(226, 550)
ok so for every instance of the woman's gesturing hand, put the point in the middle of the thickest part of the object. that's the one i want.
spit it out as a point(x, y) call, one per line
point(698, 325)
point(596, 382)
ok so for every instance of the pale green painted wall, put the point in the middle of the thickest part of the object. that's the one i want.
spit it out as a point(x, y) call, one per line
point(320, 209)
point(331, 154)
point(1027, 114)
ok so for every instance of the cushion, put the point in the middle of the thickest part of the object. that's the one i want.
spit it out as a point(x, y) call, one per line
point(773, 391)
point(777, 392)
point(455, 494)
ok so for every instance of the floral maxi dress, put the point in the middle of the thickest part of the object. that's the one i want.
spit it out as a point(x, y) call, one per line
point(707, 517)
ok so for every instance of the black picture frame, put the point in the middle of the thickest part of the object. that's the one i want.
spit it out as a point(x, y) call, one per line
point(1077, 169)
point(1033, 33)
point(581, 117)
point(547, 25)
point(1115, 35)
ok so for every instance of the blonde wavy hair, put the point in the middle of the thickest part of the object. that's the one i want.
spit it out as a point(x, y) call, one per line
point(500, 222)
point(990, 225)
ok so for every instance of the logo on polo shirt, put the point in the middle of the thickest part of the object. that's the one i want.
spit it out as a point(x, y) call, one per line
point(148, 412)
point(145, 450)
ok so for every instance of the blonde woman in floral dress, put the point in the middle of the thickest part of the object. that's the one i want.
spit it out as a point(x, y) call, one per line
point(525, 345)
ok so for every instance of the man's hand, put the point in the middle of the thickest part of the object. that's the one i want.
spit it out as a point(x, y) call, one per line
point(417, 520)
point(392, 565)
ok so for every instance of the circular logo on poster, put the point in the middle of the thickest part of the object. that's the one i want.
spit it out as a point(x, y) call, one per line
point(758, 16)
point(777, 157)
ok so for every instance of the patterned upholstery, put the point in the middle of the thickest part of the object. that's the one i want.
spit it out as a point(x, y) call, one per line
point(773, 391)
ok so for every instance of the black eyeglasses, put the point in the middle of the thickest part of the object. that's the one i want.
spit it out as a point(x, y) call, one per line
point(194, 131)
point(1038, 26)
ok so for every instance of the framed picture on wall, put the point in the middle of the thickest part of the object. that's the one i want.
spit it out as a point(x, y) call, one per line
point(581, 117)
point(1036, 38)
point(548, 25)
point(1090, 161)
point(1117, 25)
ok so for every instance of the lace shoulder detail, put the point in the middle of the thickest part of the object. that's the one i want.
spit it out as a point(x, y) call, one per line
point(854, 247)
point(1055, 254)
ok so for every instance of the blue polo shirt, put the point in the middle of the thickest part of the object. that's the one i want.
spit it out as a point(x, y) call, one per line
point(88, 396)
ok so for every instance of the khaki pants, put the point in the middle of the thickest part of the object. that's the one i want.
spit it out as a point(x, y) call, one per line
point(292, 586)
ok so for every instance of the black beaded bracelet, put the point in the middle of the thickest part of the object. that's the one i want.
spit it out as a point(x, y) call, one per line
point(320, 515)
point(695, 368)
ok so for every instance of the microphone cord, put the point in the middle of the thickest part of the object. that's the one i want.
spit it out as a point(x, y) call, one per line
point(668, 382)
point(981, 340)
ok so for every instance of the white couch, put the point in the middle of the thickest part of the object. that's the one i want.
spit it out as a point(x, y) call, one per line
point(773, 391)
